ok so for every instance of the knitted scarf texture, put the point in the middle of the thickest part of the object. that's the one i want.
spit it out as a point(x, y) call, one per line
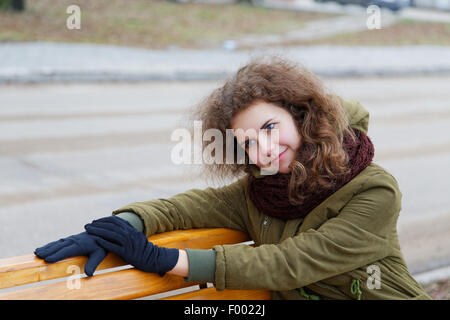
point(270, 193)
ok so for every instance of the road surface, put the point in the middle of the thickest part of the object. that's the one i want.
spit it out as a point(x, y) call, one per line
point(73, 153)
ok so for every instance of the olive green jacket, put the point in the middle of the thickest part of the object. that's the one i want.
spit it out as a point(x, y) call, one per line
point(346, 248)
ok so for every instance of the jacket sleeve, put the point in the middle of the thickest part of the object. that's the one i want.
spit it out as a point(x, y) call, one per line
point(358, 235)
point(196, 208)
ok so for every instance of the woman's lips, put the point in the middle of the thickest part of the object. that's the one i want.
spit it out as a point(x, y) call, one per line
point(280, 156)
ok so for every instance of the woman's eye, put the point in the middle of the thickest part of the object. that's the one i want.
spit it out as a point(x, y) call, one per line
point(249, 143)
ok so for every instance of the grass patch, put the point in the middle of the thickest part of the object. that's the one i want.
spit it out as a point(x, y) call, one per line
point(154, 24)
point(404, 32)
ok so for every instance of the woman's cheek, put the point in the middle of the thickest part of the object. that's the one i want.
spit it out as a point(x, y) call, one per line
point(253, 156)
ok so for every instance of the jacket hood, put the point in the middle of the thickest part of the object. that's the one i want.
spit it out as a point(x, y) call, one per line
point(357, 114)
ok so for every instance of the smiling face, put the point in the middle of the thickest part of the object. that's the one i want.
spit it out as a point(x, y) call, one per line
point(269, 135)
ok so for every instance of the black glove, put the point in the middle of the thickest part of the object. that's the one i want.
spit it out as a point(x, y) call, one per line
point(119, 236)
point(82, 244)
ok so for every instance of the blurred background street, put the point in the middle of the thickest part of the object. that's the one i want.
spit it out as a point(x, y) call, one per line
point(86, 114)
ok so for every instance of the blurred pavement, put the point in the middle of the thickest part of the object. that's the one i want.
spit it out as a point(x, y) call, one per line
point(70, 62)
point(73, 153)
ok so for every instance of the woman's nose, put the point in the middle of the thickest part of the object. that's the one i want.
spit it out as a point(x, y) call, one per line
point(267, 149)
point(264, 146)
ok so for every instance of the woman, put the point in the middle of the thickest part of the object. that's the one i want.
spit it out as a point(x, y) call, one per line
point(322, 215)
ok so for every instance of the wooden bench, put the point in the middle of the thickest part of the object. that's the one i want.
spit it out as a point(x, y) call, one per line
point(28, 277)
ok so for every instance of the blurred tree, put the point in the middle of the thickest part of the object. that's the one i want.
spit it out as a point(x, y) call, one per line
point(15, 5)
point(4, 4)
point(250, 2)
point(18, 5)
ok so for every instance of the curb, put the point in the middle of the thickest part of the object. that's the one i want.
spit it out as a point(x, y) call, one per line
point(185, 76)
point(427, 277)
point(46, 62)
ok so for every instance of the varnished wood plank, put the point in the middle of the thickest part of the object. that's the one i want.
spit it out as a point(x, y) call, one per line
point(118, 285)
point(28, 268)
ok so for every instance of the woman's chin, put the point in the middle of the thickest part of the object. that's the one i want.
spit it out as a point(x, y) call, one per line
point(274, 169)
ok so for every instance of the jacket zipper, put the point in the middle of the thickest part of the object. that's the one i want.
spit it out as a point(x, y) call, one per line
point(265, 225)
point(266, 221)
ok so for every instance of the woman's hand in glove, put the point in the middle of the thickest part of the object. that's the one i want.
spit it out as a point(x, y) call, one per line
point(120, 237)
point(82, 244)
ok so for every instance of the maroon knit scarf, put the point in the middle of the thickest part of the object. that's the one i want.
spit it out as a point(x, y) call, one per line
point(270, 193)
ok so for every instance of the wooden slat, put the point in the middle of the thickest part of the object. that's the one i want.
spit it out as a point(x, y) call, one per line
point(213, 294)
point(28, 268)
point(118, 285)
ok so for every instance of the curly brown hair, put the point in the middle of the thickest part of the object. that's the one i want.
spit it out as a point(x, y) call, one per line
point(320, 118)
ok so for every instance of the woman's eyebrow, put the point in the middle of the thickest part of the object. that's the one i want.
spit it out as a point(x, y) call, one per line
point(265, 123)
point(262, 127)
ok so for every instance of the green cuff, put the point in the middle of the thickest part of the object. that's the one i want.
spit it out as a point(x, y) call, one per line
point(133, 219)
point(202, 265)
